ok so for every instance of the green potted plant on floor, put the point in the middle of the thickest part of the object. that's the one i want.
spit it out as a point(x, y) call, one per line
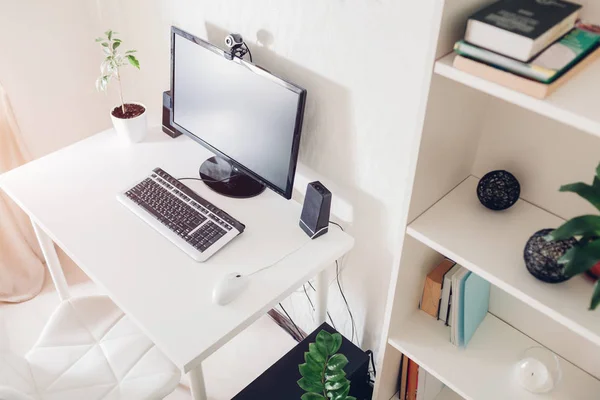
point(323, 375)
point(585, 255)
point(129, 119)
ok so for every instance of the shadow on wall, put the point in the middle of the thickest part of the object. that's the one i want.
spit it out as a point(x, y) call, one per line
point(328, 147)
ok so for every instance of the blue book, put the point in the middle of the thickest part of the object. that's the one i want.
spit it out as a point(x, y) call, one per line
point(476, 301)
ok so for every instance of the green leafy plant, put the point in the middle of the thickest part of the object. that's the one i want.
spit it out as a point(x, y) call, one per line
point(586, 228)
point(114, 60)
point(323, 375)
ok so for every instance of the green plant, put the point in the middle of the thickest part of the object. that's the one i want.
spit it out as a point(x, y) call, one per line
point(586, 253)
point(114, 60)
point(323, 375)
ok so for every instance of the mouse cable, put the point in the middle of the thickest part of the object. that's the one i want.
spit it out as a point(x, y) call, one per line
point(289, 254)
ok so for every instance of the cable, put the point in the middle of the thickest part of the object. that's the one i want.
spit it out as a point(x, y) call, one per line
point(292, 321)
point(337, 277)
point(249, 52)
point(370, 353)
point(313, 307)
point(289, 254)
point(338, 225)
point(205, 180)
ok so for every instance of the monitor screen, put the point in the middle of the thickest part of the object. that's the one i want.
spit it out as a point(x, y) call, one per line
point(239, 111)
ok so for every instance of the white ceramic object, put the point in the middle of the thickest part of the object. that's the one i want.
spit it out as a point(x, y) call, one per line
point(131, 130)
point(539, 370)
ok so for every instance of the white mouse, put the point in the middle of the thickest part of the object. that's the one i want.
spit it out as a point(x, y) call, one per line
point(229, 287)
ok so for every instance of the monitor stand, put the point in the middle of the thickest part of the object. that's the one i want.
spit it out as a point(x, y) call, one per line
point(225, 179)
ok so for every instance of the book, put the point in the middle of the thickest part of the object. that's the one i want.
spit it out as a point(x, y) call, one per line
point(412, 380)
point(476, 303)
point(526, 86)
point(421, 384)
point(432, 291)
point(404, 377)
point(431, 388)
point(445, 299)
point(521, 28)
point(548, 66)
point(457, 331)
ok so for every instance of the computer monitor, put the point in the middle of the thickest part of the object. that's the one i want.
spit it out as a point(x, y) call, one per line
point(250, 119)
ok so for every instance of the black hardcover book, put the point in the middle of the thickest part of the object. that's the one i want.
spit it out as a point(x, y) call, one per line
point(521, 28)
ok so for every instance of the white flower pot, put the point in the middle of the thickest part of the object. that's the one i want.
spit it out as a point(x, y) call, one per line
point(131, 130)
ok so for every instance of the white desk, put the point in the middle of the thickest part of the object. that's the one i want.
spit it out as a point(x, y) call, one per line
point(70, 197)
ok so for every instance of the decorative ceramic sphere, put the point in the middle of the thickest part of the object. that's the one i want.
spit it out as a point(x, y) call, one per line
point(498, 190)
point(541, 256)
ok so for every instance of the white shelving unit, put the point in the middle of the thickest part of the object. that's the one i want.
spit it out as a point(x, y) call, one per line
point(469, 127)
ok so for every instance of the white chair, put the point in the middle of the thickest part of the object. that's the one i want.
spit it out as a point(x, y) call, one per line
point(89, 350)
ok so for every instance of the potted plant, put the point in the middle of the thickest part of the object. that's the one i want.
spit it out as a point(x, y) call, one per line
point(323, 376)
point(585, 255)
point(129, 119)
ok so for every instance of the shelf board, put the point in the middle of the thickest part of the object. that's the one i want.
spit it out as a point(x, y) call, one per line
point(490, 243)
point(482, 370)
point(574, 104)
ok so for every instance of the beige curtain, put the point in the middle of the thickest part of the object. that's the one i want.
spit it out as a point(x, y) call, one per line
point(21, 268)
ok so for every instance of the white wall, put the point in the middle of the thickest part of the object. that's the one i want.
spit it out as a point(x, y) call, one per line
point(48, 66)
point(362, 62)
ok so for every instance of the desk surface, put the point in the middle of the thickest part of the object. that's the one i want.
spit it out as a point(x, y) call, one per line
point(71, 193)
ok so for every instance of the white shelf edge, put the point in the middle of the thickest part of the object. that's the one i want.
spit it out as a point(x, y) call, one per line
point(444, 67)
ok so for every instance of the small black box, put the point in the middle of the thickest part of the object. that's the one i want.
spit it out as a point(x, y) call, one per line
point(314, 219)
point(279, 381)
point(166, 116)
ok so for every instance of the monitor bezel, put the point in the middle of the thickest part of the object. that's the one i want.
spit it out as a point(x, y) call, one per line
point(287, 192)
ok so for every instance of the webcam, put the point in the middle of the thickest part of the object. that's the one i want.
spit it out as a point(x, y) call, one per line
point(234, 40)
point(238, 47)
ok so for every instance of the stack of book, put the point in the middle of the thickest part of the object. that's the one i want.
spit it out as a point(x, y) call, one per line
point(531, 46)
point(416, 383)
point(458, 298)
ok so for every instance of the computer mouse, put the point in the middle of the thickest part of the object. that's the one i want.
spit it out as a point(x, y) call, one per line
point(229, 287)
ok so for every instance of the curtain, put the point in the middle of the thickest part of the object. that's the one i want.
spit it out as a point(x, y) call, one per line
point(22, 270)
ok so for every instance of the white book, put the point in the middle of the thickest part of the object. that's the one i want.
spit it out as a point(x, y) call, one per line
point(433, 387)
point(445, 300)
point(421, 384)
point(456, 304)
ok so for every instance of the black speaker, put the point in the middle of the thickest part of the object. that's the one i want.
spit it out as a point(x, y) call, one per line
point(316, 209)
point(166, 116)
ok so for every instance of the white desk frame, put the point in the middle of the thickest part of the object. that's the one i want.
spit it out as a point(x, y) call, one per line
point(51, 224)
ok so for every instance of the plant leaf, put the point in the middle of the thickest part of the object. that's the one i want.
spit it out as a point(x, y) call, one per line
point(315, 353)
point(312, 396)
point(130, 51)
point(341, 393)
point(590, 193)
point(105, 44)
point(133, 61)
point(598, 171)
point(116, 44)
point(99, 39)
point(310, 359)
point(310, 386)
point(324, 341)
point(595, 296)
point(586, 225)
point(335, 376)
point(336, 342)
point(109, 34)
point(337, 362)
point(313, 375)
point(581, 258)
point(334, 386)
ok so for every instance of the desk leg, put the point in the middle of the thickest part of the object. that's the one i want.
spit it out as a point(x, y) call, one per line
point(56, 271)
point(322, 297)
point(197, 383)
